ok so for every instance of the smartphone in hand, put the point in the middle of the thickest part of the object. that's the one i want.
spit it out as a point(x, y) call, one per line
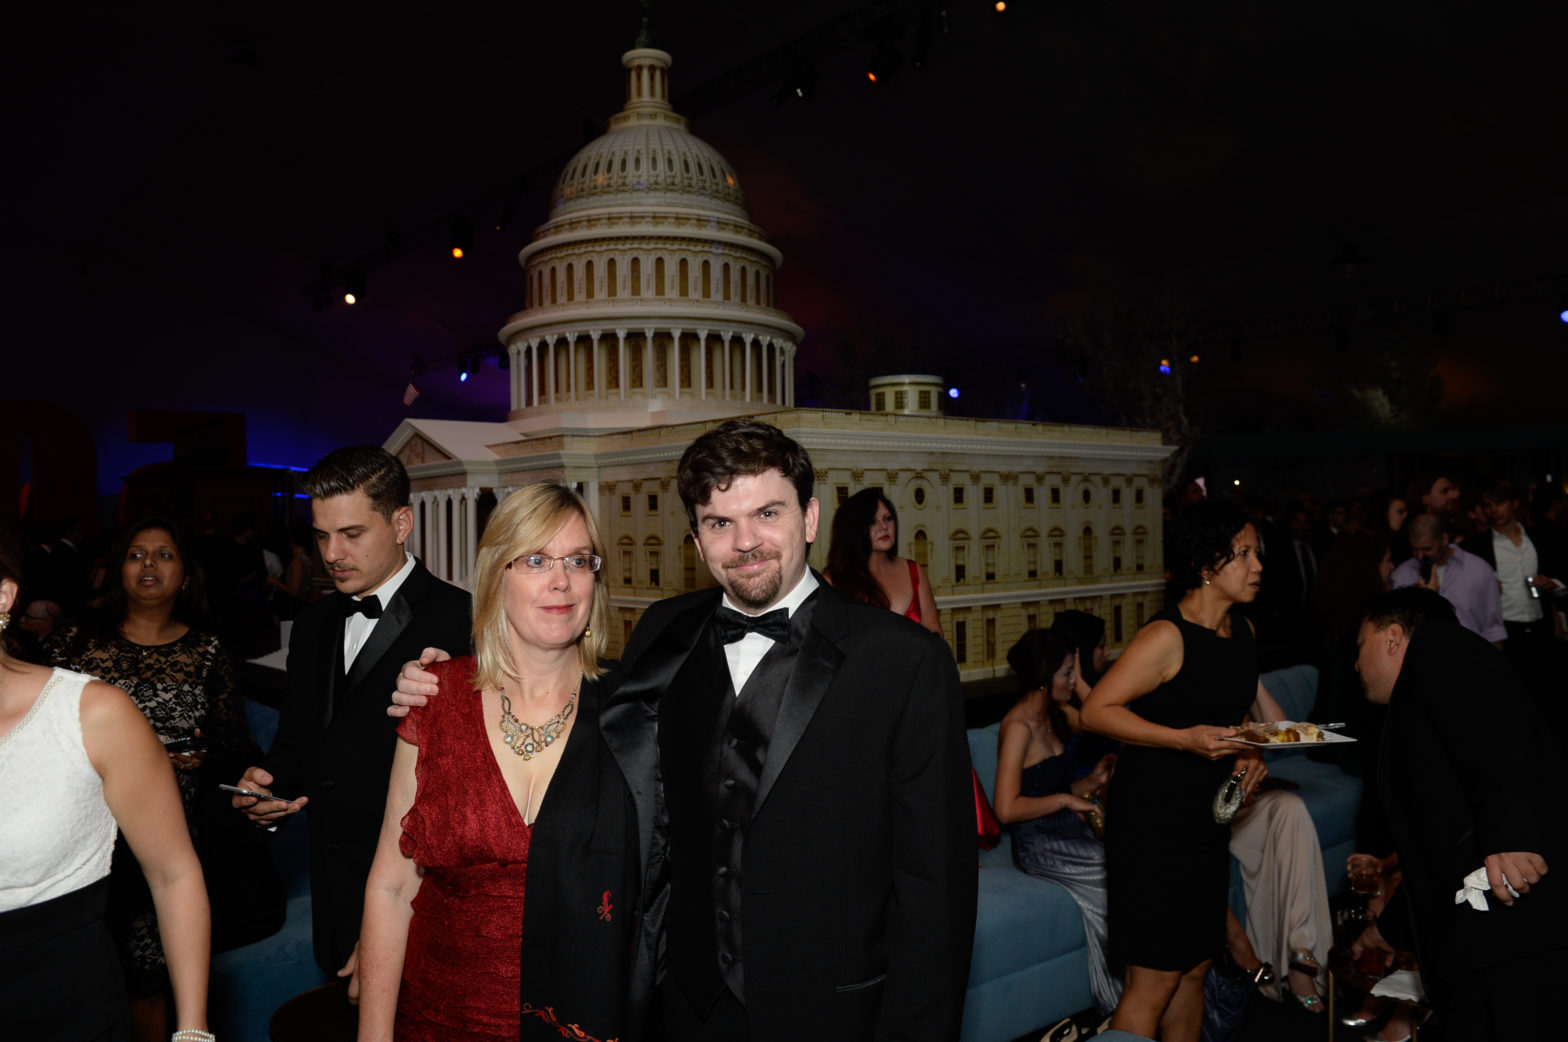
point(188, 744)
point(252, 792)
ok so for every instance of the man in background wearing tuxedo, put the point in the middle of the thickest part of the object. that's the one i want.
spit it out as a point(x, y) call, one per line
point(335, 742)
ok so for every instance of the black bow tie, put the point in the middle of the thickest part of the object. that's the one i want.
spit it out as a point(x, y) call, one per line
point(731, 625)
point(370, 607)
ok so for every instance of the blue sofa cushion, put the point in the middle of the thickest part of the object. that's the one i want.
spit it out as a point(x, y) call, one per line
point(1021, 921)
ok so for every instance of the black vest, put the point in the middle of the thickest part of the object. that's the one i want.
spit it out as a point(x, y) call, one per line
point(712, 747)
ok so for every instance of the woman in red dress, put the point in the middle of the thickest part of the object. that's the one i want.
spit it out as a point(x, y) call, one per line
point(863, 561)
point(503, 895)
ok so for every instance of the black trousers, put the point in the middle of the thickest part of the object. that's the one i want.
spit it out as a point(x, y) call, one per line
point(1507, 1003)
point(724, 1021)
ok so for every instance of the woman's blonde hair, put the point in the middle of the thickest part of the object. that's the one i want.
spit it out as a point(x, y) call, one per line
point(523, 523)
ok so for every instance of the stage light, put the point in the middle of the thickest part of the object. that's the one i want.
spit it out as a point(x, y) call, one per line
point(885, 62)
point(462, 237)
point(1236, 482)
point(952, 392)
point(1001, 5)
point(1564, 315)
point(1165, 366)
point(353, 287)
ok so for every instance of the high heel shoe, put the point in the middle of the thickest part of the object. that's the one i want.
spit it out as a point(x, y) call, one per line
point(1382, 1010)
point(1311, 1003)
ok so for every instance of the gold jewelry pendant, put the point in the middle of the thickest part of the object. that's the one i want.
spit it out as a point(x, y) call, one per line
point(528, 741)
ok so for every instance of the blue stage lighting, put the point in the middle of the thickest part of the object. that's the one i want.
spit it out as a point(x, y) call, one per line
point(952, 392)
point(462, 376)
point(1564, 316)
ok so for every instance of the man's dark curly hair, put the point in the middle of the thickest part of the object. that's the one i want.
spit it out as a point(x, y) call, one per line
point(360, 468)
point(736, 448)
point(1200, 540)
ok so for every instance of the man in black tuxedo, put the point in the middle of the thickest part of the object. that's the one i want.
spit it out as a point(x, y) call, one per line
point(821, 849)
point(1469, 778)
point(818, 880)
point(335, 742)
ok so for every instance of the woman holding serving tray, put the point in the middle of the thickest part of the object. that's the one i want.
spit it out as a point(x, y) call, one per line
point(1169, 698)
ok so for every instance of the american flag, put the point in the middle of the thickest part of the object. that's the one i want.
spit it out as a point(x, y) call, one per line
point(410, 393)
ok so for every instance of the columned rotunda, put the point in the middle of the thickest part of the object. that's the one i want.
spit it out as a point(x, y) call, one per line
point(649, 290)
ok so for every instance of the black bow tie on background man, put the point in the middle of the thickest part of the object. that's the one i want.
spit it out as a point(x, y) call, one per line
point(731, 625)
point(370, 607)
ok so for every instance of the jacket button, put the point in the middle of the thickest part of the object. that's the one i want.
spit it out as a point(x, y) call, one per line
point(724, 916)
point(328, 784)
point(721, 872)
point(729, 783)
point(726, 958)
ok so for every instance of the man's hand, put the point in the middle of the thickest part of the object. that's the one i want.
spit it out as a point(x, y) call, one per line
point(191, 759)
point(1544, 582)
point(1371, 940)
point(351, 971)
point(1521, 869)
point(1257, 770)
point(415, 684)
point(1208, 741)
point(265, 813)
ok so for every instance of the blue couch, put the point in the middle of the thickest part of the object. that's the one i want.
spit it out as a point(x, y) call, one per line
point(1030, 964)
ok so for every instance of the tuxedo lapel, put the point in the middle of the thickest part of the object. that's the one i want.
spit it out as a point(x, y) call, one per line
point(329, 664)
point(395, 618)
point(630, 713)
point(815, 667)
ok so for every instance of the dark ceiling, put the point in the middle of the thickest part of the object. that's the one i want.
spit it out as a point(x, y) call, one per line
point(1290, 180)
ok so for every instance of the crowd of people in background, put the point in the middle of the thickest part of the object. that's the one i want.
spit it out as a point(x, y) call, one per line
point(1106, 768)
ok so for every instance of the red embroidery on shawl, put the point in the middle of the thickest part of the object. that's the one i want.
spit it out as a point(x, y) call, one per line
point(605, 908)
point(571, 1031)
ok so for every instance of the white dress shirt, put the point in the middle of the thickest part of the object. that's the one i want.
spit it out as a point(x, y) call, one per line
point(1515, 565)
point(358, 627)
point(744, 654)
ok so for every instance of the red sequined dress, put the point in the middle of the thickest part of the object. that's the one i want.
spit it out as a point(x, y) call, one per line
point(462, 971)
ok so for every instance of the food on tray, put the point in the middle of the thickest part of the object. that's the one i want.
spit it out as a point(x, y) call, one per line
point(1282, 732)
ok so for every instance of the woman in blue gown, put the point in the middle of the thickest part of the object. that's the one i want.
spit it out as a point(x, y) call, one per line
point(1039, 793)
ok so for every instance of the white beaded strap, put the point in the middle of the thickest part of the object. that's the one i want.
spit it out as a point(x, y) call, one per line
point(192, 1035)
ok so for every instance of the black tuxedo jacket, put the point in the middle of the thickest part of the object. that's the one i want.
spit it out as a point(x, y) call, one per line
point(335, 740)
point(859, 892)
point(1466, 769)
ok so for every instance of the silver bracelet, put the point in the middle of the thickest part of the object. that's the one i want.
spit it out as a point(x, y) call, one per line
point(192, 1035)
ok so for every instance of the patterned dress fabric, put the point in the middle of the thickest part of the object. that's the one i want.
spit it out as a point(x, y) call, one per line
point(462, 968)
point(179, 686)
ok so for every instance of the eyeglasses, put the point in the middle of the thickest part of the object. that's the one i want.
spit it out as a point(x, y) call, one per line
point(534, 564)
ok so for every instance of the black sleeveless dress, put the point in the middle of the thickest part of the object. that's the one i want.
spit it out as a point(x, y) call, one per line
point(1167, 863)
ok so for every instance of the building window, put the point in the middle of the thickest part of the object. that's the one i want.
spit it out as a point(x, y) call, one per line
point(920, 496)
point(1028, 495)
point(961, 642)
point(840, 494)
point(960, 562)
point(626, 506)
point(990, 640)
point(653, 567)
point(1057, 555)
point(1086, 544)
point(879, 402)
point(1031, 620)
point(1088, 495)
point(1138, 614)
point(1056, 496)
point(1116, 623)
point(925, 401)
point(658, 276)
point(1138, 542)
point(1137, 497)
point(920, 548)
point(636, 277)
point(1116, 497)
point(688, 563)
point(899, 399)
point(626, 566)
point(958, 495)
point(653, 502)
point(1032, 559)
point(988, 495)
point(1116, 554)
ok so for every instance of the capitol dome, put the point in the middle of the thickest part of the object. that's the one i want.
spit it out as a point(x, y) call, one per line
point(649, 290)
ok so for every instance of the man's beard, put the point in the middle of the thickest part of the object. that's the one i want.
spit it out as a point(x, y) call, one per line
point(754, 591)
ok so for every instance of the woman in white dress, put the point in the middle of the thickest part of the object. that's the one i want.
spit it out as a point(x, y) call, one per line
point(77, 761)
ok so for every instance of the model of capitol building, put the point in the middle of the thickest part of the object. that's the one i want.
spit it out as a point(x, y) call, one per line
point(649, 290)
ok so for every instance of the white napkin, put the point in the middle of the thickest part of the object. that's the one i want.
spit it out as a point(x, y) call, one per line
point(1476, 887)
point(1404, 985)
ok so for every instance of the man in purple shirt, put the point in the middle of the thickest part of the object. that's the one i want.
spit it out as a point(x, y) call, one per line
point(1466, 581)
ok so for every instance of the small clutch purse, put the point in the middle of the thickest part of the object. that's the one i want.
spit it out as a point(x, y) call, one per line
point(1228, 800)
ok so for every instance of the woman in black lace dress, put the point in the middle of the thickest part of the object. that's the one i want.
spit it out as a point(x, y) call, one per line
point(147, 640)
point(1172, 699)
